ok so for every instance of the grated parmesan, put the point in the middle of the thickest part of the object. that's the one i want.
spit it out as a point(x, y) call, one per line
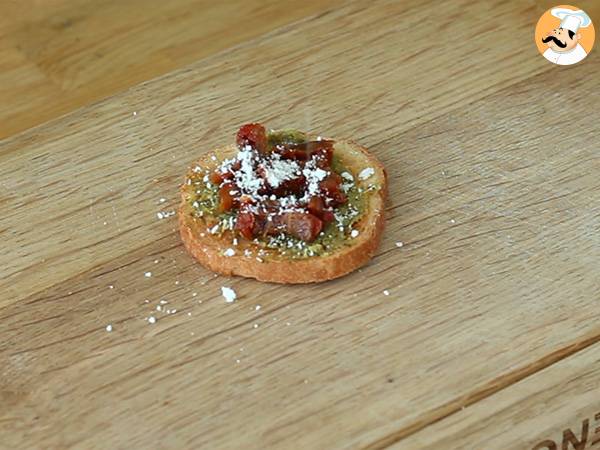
point(229, 294)
point(366, 173)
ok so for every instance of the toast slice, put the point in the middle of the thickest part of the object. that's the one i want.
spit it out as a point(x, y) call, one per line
point(228, 253)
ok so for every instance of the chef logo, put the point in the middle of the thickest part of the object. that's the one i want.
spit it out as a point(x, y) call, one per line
point(564, 35)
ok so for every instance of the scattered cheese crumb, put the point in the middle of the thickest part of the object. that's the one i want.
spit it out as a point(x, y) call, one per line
point(158, 308)
point(165, 214)
point(189, 314)
point(148, 274)
point(399, 244)
point(347, 176)
point(152, 319)
point(163, 302)
point(257, 307)
point(229, 252)
point(366, 173)
point(229, 294)
point(354, 233)
point(156, 261)
point(162, 200)
point(386, 292)
point(255, 325)
point(110, 286)
point(135, 113)
point(194, 294)
point(452, 221)
point(109, 328)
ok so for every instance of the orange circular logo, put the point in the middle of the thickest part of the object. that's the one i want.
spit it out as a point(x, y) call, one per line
point(565, 35)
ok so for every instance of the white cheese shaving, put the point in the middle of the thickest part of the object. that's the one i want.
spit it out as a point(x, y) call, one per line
point(314, 175)
point(229, 252)
point(354, 233)
point(366, 173)
point(229, 294)
point(347, 176)
point(277, 171)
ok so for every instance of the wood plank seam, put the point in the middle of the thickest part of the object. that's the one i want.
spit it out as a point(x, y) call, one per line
point(488, 389)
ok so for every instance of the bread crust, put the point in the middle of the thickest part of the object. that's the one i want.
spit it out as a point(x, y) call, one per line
point(208, 248)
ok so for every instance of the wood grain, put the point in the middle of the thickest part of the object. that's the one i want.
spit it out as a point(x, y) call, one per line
point(494, 192)
point(64, 54)
point(542, 408)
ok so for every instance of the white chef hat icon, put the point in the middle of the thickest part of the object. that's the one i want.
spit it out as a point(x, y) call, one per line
point(571, 19)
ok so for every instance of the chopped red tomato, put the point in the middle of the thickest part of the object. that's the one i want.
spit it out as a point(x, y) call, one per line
point(246, 223)
point(306, 150)
point(316, 205)
point(332, 185)
point(216, 178)
point(254, 135)
point(304, 226)
point(295, 186)
point(226, 200)
point(327, 216)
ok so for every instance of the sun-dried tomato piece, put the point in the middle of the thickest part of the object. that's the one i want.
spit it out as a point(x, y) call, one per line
point(216, 177)
point(305, 150)
point(295, 186)
point(327, 216)
point(304, 226)
point(226, 199)
point(254, 135)
point(246, 223)
point(315, 206)
point(332, 186)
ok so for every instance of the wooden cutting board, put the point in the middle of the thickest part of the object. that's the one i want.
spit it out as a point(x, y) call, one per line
point(489, 337)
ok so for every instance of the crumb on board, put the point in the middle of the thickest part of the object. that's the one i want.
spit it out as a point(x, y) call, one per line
point(148, 274)
point(399, 244)
point(229, 294)
point(386, 292)
point(109, 328)
point(151, 319)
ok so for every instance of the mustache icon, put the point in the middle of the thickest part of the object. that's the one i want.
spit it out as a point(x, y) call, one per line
point(555, 40)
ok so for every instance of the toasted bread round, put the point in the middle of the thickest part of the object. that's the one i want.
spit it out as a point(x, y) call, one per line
point(208, 248)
